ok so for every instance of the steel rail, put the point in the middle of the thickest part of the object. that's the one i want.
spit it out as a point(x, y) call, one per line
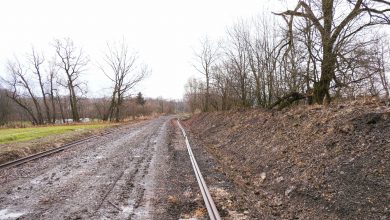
point(208, 200)
point(23, 160)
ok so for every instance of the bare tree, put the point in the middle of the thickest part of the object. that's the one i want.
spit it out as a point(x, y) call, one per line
point(261, 48)
point(122, 68)
point(61, 103)
point(206, 58)
point(222, 86)
point(238, 62)
point(194, 94)
point(22, 92)
point(381, 58)
point(36, 61)
point(336, 27)
point(31, 87)
point(72, 62)
point(52, 88)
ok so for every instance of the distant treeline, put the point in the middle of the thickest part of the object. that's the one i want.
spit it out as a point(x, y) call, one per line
point(88, 108)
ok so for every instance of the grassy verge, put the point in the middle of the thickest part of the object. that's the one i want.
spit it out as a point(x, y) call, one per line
point(21, 142)
point(14, 135)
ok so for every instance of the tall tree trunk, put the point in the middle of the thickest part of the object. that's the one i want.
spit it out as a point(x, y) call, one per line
point(119, 103)
point(53, 105)
point(110, 110)
point(61, 108)
point(243, 92)
point(321, 88)
point(270, 88)
point(206, 107)
point(258, 91)
point(44, 99)
point(73, 104)
point(39, 111)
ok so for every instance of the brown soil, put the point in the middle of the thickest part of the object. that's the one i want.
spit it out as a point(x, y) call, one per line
point(308, 162)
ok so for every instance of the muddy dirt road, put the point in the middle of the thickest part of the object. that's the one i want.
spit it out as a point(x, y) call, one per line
point(141, 171)
point(110, 177)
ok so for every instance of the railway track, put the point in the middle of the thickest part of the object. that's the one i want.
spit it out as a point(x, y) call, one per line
point(36, 156)
point(208, 200)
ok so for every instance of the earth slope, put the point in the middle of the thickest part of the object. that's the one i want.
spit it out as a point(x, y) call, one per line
point(308, 162)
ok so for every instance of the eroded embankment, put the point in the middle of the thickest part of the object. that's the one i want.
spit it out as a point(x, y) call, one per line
point(308, 162)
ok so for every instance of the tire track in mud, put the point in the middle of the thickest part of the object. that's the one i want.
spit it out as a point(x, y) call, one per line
point(130, 189)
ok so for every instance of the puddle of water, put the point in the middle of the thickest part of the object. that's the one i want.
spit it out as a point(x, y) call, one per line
point(129, 209)
point(142, 214)
point(36, 181)
point(5, 214)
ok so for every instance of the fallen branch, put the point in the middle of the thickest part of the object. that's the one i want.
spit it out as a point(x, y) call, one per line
point(115, 206)
point(288, 99)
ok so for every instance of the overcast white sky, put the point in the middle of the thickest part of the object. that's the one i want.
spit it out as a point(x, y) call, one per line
point(163, 32)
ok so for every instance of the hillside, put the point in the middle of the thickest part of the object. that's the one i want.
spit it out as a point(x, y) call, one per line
point(308, 162)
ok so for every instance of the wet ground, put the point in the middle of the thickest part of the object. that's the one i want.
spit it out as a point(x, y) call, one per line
point(141, 171)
